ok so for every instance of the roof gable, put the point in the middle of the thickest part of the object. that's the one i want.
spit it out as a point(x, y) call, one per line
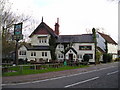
point(108, 38)
point(71, 49)
point(43, 28)
point(22, 47)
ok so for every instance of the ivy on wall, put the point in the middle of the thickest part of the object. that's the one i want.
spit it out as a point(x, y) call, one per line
point(95, 41)
point(52, 44)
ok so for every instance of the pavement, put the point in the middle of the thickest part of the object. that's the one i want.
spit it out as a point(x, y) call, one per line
point(42, 76)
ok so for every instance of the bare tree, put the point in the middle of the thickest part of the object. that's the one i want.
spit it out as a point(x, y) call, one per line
point(7, 21)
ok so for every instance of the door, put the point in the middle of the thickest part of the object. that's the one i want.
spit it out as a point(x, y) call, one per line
point(71, 57)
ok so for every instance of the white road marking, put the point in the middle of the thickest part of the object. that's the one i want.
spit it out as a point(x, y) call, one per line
point(58, 77)
point(112, 73)
point(81, 82)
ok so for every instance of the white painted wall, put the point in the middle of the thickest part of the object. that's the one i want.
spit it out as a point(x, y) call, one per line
point(38, 55)
point(82, 52)
point(22, 48)
point(29, 57)
point(35, 40)
point(112, 49)
point(79, 52)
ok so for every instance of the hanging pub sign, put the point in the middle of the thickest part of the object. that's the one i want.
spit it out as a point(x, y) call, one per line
point(18, 29)
point(17, 37)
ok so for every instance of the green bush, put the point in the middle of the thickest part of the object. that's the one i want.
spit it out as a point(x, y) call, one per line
point(98, 55)
point(107, 58)
point(86, 58)
point(117, 59)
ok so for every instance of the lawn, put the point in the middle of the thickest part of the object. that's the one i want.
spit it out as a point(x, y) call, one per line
point(26, 70)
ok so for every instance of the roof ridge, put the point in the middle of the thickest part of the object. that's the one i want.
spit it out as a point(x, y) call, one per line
point(75, 34)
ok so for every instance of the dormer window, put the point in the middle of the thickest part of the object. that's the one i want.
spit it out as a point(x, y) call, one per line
point(42, 40)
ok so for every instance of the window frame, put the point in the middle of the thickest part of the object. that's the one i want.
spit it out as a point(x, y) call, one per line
point(44, 54)
point(33, 54)
point(91, 54)
point(22, 52)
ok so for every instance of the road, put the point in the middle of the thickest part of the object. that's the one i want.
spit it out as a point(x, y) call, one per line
point(106, 77)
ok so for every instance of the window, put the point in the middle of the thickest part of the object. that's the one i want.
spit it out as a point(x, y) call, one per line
point(90, 55)
point(45, 41)
point(79, 56)
point(42, 40)
point(44, 54)
point(33, 53)
point(60, 46)
point(60, 56)
point(22, 53)
point(85, 47)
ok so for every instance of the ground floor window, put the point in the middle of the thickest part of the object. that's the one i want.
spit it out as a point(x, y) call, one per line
point(33, 53)
point(60, 56)
point(79, 56)
point(90, 56)
point(44, 54)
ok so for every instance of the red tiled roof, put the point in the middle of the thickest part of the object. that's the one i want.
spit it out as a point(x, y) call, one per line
point(108, 38)
point(43, 28)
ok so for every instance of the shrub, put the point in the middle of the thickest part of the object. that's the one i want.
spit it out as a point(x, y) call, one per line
point(98, 55)
point(107, 58)
point(21, 61)
point(86, 58)
point(117, 59)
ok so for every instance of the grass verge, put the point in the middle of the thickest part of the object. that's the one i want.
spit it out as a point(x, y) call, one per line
point(28, 71)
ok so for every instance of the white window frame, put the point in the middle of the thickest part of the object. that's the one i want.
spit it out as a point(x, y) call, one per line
point(44, 54)
point(60, 56)
point(42, 40)
point(22, 52)
point(33, 54)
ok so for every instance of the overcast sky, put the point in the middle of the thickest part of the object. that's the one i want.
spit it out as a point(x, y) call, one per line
point(75, 16)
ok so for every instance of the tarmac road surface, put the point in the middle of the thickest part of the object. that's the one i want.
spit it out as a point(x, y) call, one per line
point(104, 77)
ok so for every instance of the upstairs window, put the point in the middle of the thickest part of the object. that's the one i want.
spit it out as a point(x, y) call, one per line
point(85, 47)
point(60, 46)
point(22, 53)
point(42, 40)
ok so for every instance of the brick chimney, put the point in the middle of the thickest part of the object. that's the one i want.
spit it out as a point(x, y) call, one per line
point(57, 27)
